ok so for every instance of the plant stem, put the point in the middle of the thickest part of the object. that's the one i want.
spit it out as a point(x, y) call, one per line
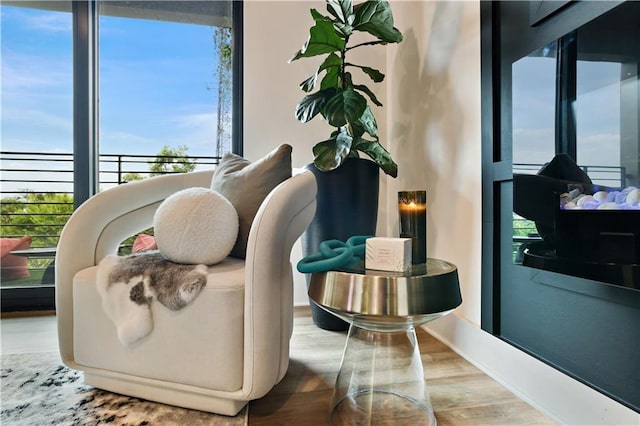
point(368, 43)
point(343, 56)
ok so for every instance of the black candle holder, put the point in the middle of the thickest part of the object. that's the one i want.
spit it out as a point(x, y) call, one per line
point(412, 208)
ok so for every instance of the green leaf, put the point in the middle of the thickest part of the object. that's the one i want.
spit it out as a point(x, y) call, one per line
point(343, 29)
point(317, 16)
point(323, 38)
point(312, 104)
point(348, 80)
point(378, 154)
point(332, 67)
point(332, 61)
point(330, 79)
point(367, 122)
point(356, 130)
point(341, 9)
point(353, 154)
point(330, 154)
point(373, 73)
point(376, 18)
point(308, 84)
point(369, 93)
point(345, 106)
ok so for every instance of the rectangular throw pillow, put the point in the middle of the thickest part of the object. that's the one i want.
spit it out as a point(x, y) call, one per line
point(246, 184)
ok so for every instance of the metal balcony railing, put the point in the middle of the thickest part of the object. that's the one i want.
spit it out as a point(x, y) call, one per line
point(37, 192)
point(611, 176)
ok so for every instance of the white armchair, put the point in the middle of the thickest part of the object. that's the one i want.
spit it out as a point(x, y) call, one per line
point(230, 346)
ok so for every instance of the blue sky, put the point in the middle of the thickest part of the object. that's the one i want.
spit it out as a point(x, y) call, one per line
point(157, 84)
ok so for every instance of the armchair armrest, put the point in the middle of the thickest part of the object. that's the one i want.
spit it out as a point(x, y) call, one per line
point(96, 229)
point(282, 218)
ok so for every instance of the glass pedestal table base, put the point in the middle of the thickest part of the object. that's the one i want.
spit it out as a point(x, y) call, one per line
point(381, 378)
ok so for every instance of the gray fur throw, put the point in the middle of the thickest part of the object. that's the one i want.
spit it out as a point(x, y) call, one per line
point(128, 285)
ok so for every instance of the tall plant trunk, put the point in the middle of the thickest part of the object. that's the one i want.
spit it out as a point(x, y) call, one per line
point(347, 205)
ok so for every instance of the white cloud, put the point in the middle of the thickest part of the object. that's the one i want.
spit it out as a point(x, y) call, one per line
point(50, 22)
point(123, 137)
point(38, 20)
point(201, 120)
point(533, 146)
point(599, 150)
point(21, 71)
point(198, 132)
point(37, 119)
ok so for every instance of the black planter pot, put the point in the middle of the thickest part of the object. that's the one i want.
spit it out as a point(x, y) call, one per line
point(347, 205)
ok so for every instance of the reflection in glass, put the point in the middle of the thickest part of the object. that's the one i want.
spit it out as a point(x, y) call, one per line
point(597, 111)
point(533, 105)
point(533, 101)
point(575, 127)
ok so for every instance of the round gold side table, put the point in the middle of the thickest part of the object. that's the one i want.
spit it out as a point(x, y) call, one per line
point(381, 378)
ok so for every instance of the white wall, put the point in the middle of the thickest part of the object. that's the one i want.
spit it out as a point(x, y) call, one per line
point(274, 32)
point(431, 120)
point(434, 131)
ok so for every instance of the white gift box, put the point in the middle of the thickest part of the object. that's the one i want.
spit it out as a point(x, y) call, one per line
point(388, 254)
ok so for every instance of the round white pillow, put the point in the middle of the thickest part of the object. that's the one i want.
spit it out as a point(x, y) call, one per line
point(196, 225)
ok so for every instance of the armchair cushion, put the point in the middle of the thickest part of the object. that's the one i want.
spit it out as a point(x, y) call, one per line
point(246, 185)
point(208, 332)
point(195, 226)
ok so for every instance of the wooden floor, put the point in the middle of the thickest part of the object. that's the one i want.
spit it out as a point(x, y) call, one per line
point(460, 393)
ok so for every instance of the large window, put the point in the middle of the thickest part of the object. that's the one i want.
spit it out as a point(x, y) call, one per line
point(37, 141)
point(165, 81)
point(97, 93)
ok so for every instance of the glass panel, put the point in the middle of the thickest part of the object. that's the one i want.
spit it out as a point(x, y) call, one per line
point(533, 104)
point(165, 87)
point(598, 128)
point(576, 151)
point(37, 138)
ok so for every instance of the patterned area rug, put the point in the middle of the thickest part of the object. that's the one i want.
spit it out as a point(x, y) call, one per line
point(38, 390)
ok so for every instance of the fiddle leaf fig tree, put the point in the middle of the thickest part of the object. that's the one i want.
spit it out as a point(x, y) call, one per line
point(338, 99)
